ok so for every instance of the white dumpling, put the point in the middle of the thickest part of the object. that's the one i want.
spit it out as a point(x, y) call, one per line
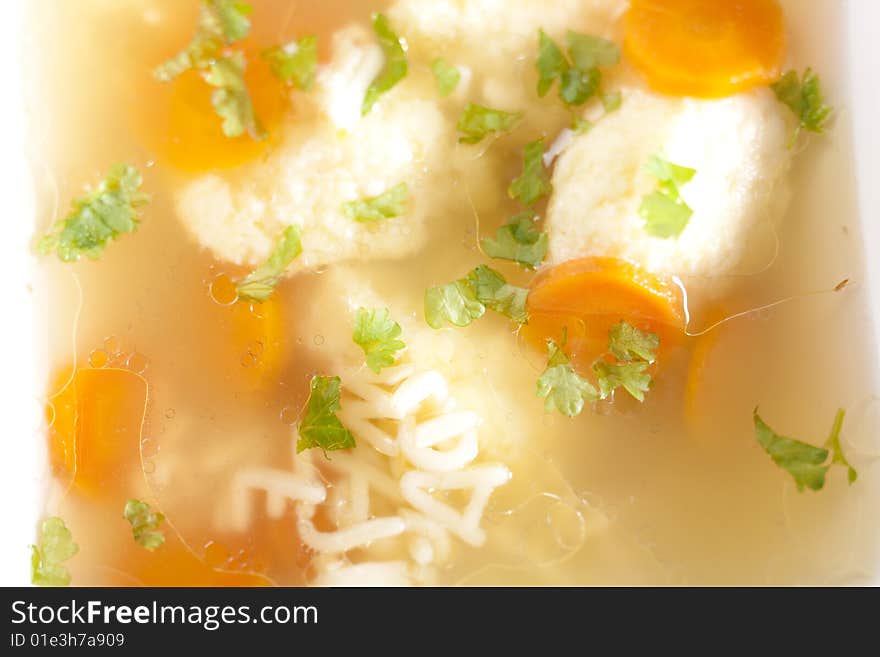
point(737, 145)
point(329, 155)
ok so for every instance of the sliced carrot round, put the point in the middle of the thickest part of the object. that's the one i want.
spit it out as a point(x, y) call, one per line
point(705, 48)
point(96, 428)
point(179, 126)
point(585, 298)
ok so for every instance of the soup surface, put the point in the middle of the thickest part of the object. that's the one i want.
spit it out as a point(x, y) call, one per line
point(162, 387)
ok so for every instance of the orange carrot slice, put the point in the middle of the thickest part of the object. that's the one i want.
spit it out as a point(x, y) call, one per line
point(586, 297)
point(96, 429)
point(180, 127)
point(705, 48)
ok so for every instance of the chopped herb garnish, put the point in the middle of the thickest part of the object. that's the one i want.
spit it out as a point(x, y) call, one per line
point(98, 217)
point(562, 388)
point(551, 63)
point(446, 75)
point(579, 75)
point(461, 302)
point(233, 16)
point(632, 377)
point(493, 291)
point(55, 546)
point(144, 524)
point(378, 335)
point(295, 63)
point(806, 463)
point(804, 97)
point(576, 87)
point(231, 99)
point(320, 427)
point(664, 212)
point(627, 343)
point(395, 63)
point(581, 125)
point(387, 205)
point(221, 23)
point(534, 183)
point(519, 240)
point(455, 303)
point(634, 350)
point(833, 443)
point(612, 102)
point(477, 122)
point(587, 51)
point(259, 284)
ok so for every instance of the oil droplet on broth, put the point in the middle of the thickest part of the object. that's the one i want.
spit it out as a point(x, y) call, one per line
point(222, 290)
point(318, 340)
point(137, 363)
point(215, 554)
point(113, 345)
point(170, 413)
point(98, 358)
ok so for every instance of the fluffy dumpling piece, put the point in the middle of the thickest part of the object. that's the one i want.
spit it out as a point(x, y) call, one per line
point(738, 147)
point(330, 155)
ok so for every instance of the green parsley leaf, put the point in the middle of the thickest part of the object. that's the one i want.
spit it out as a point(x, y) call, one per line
point(387, 205)
point(631, 376)
point(664, 217)
point(833, 443)
point(295, 63)
point(561, 387)
point(581, 125)
point(231, 99)
point(612, 102)
point(493, 291)
point(98, 217)
point(576, 87)
point(551, 63)
point(804, 97)
point(671, 176)
point(233, 16)
point(377, 334)
point(579, 75)
point(588, 52)
point(664, 212)
point(221, 22)
point(518, 240)
point(455, 303)
point(477, 122)
point(144, 524)
point(55, 546)
point(395, 63)
point(802, 461)
point(320, 427)
point(534, 182)
point(260, 283)
point(446, 75)
point(627, 343)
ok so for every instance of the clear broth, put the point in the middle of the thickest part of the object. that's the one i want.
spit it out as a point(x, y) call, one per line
point(634, 496)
